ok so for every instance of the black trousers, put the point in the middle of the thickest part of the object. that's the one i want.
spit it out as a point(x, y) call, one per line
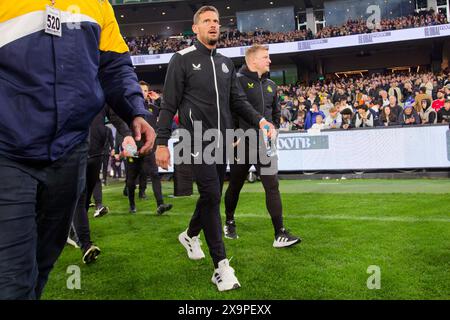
point(80, 219)
point(105, 162)
point(238, 175)
point(142, 182)
point(209, 179)
point(147, 166)
point(117, 168)
point(36, 207)
point(98, 194)
point(140, 179)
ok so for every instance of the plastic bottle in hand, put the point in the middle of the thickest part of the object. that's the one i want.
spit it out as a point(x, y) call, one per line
point(271, 148)
point(132, 150)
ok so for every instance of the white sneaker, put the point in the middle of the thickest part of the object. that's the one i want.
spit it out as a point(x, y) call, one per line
point(72, 242)
point(100, 212)
point(192, 245)
point(224, 277)
point(284, 239)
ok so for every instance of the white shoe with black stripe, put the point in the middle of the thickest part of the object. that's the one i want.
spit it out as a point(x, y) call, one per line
point(192, 245)
point(224, 278)
point(285, 239)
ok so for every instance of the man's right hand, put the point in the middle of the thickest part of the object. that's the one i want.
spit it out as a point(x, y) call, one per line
point(268, 127)
point(162, 155)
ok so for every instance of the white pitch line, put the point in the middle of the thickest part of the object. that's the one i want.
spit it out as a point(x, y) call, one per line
point(358, 218)
point(328, 183)
point(368, 218)
point(324, 217)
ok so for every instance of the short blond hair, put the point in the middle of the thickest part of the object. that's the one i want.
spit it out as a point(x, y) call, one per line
point(202, 10)
point(253, 49)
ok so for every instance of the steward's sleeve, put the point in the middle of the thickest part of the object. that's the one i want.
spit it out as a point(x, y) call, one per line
point(116, 73)
point(118, 123)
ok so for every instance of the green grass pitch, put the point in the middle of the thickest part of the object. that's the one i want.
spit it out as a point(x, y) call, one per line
point(401, 226)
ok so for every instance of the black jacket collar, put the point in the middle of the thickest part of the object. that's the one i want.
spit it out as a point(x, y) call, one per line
point(201, 47)
point(252, 75)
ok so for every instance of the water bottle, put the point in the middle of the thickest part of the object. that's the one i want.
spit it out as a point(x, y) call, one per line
point(132, 150)
point(271, 148)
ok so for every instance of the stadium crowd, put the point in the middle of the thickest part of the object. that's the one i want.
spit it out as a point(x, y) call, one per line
point(377, 100)
point(154, 44)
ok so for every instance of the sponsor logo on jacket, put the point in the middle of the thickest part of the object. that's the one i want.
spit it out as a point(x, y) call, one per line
point(225, 68)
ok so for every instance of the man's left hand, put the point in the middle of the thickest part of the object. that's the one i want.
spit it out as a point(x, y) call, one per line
point(141, 128)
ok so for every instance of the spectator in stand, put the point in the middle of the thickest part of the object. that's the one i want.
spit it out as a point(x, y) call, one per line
point(305, 102)
point(384, 97)
point(295, 106)
point(299, 123)
point(409, 116)
point(408, 92)
point(394, 90)
point(326, 105)
point(374, 90)
point(285, 123)
point(347, 116)
point(395, 108)
point(319, 125)
point(439, 102)
point(362, 118)
point(444, 114)
point(313, 98)
point(426, 82)
point(153, 44)
point(333, 120)
point(375, 111)
point(427, 114)
point(285, 112)
point(344, 104)
point(388, 118)
point(418, 99)
point(339, 95)
point(311, 116)
point(447, 91)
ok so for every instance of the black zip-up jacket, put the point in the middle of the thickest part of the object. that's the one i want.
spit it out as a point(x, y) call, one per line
point(201, 84)
point(153, 109)
point(262, 95)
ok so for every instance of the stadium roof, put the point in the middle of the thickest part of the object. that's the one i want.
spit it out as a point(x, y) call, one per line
point(162, 17)
point(184, 10)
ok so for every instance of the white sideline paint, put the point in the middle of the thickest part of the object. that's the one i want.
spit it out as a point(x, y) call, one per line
point(332, 217)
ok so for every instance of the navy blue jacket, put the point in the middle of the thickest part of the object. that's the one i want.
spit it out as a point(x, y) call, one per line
point(51, 87)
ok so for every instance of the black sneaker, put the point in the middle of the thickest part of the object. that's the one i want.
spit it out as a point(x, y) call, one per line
point(90, 254)
point(229, 230)
point(285, 239)
point(163, 208)
point(132, 209)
